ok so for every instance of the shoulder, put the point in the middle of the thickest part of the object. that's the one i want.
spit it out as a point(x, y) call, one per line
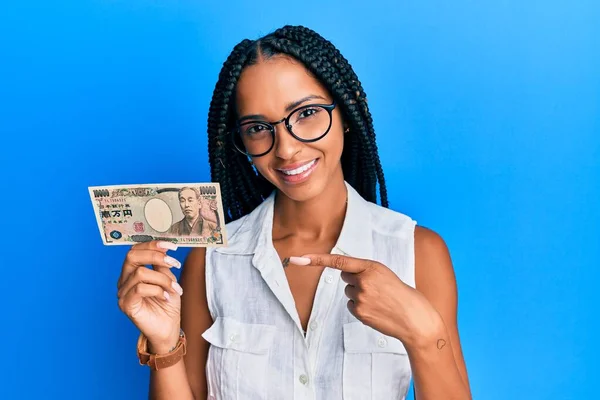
point(434, 273)
point(433, 270)
point(430, 248)
point(174, 227)
point(430, 243)
point(388, 222)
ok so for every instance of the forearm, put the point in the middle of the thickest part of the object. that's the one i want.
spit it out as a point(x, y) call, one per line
point(435, 373)
point(171, 384)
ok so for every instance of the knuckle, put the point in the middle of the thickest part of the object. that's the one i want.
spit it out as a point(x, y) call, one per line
point(166, 279)
point(363, 285)
point(157, 258)
point(358, 310)
point(130, 256)
point(140, 273)
point(372, 264)
point(171, 275)
point(361, 297)
point(361, 312)
point(138, 289)
point(339, 262)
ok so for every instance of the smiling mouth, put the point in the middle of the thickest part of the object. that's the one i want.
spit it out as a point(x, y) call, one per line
point(299, 173)
point(296, 171)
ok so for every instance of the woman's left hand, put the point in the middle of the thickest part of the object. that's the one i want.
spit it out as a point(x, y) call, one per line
point(379, 299)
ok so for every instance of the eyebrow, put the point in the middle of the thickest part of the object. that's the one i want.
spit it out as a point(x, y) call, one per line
point(289, 107)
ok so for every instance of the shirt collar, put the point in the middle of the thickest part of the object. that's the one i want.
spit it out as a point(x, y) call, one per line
point(254, 233)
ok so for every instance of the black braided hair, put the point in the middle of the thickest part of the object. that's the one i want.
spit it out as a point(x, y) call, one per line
point(242, 189)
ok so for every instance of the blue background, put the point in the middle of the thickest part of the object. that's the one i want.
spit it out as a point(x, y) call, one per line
point(488, 122)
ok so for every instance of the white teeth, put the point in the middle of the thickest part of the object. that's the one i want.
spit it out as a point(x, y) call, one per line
point(300, 170)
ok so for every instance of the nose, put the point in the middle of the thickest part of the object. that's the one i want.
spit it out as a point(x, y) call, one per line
point(286, 146)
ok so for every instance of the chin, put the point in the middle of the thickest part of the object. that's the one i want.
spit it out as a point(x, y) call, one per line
point(303, 191)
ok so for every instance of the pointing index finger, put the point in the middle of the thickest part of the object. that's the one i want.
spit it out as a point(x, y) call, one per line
point(343, 263)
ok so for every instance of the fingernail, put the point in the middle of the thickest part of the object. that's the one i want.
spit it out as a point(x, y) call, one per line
point(173, 262)
point(176, 287)
point(300, 260)
point(167, 296)
point(167, 245)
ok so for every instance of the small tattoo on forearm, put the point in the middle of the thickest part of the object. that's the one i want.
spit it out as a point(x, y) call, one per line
point(441, 343)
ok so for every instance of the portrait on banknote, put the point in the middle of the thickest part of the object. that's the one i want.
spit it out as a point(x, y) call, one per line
point(194, 223)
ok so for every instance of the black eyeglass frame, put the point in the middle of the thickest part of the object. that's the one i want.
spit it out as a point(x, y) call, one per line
point(271, 125)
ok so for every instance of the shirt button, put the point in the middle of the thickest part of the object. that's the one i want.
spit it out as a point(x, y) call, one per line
point(381, 342)
point(314, 325)
point(329, 279)
point(303, 379)
point(234, 337)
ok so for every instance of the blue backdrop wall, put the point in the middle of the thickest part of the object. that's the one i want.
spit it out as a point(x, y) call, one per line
point(487, 115)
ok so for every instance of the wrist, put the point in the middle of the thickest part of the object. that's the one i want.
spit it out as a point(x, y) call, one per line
point(164, 346)
point(433, 334)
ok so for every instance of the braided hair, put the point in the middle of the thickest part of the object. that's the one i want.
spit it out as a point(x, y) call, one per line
point(242, 189)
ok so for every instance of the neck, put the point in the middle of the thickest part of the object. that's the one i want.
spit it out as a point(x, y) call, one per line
point(313, 219)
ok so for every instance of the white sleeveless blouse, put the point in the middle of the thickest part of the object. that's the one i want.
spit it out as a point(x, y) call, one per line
point(258, 349)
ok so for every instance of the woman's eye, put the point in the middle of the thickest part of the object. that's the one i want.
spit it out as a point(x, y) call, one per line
point(256, 129)
point(308, 112)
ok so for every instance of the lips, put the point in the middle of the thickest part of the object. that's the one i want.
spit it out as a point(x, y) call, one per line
point(298, 172)
point(297, 168)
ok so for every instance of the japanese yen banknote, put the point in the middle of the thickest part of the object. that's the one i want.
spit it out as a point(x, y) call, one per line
point(190, 214)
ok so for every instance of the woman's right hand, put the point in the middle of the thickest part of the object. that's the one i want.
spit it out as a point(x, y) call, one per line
point(151, 298)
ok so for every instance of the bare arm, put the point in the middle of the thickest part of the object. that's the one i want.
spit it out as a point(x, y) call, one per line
point(186, 380)
point(438, 364)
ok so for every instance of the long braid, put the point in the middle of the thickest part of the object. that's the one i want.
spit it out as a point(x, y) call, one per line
point(241, 188)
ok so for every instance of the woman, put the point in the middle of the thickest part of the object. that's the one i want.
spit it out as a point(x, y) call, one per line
point(320, 293)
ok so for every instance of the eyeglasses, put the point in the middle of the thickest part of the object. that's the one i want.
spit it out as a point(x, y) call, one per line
point(308, 123)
